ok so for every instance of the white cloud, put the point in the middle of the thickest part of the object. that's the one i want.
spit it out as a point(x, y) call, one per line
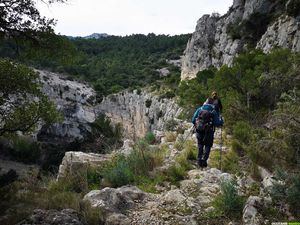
point(123, 17)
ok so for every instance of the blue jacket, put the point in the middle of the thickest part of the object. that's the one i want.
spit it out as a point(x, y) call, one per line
point(217, 121)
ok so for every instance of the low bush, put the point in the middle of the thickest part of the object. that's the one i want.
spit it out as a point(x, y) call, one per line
point(175, 173)
point(170, 125)
point(229, 203)
point(287, 190)
point(171, 136)
point(25, 150)
point(44, 193)
point(150, 138)
point(230, 162)
point(190, 150)
point(118, 173)
point(130, 169)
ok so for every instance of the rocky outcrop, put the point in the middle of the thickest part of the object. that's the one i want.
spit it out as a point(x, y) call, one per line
point(180, 205)
point(139, 111)
point(250, 213)
point(284, 32)
point(217, 40)
point(74, 162)
point(75, 101)
point(53, 217)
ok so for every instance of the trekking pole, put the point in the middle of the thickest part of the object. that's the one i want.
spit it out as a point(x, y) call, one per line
point(221, 143)
point(185, 139)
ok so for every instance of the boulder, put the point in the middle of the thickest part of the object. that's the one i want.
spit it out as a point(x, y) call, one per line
point(53, 217)
point(250, 212)
point(112, 200)
point(76, 163)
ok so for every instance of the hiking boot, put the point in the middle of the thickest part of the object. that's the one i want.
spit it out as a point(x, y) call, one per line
point(200, 163)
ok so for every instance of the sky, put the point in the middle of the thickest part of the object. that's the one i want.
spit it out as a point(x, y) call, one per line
point(125, 17)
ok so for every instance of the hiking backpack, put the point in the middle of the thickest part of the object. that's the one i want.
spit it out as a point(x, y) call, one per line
point(216, 104)
point(204, 121)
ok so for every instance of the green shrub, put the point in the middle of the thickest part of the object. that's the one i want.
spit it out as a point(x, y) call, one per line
point(123, 170)
point(230, 162)
point(33, 193)
point(118, 173)
point(94, 177)
point(179, 144)
point(150, 138)
point(148, 184)
point(237, 147)
point(109, 134)
point(170, 125)
point(90, 215)
point(229, 203)
point(25, 150)
point(190, 151)
point(287, 190)
point(242, 132)
point(175, 173)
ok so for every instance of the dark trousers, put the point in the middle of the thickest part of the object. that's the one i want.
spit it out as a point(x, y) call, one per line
point(205, 142)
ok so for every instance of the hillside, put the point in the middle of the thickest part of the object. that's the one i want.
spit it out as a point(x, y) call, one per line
point(247, 25)
point(110, 64)
point(113, 141)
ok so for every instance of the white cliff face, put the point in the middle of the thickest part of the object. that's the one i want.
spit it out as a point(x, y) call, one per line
point(75, 101)
point(139, 112)
point(284, 32)
point(212, 44)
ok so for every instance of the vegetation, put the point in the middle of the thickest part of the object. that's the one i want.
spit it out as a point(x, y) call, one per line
point(229, 203)
point(22, 104)
point(150, 138)
point(105, 136)
point(132, 169)
point(23, 19)
point(287, 190)
point(43, 193)
point(111, 64)
point(260, 94)
point(25, 150)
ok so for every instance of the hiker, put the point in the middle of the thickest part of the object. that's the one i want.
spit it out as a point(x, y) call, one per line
point(205, 120)
point(217, 102)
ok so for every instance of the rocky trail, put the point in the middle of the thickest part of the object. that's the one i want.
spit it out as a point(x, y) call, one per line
point(189, 202)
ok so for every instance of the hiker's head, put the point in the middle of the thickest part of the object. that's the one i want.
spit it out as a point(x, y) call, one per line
point(214, 94)
point(209, 101)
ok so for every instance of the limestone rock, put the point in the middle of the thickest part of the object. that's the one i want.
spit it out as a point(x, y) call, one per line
point(53, 217)
point(284, 32)
point(213, 45)
point(250, 212)
point(75, 101)
point(175, 62)
point(163, 72)
point(138, 111)
point(75, 163)
point(174, 197)
point(127, 147)
point(115, 202)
